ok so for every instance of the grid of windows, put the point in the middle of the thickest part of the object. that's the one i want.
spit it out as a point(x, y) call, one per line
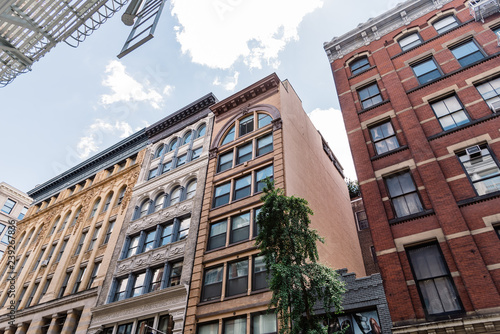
point(246, 125)
point(260, 323)
point(369, 96)
point(410, 41)
point(245, 152)
point(359, 65)
point(450, 112)
point(403, 194)
point(445, 24)
point(426, 71)
point(467, 53)
point(94, 209)
point(384, 137)
point(482, 168)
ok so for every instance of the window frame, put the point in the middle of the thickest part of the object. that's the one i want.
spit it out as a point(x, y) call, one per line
point(366, 88)
point(262, 272)
point(242, 158)
point(473, 182)
point(173, 274)
point(461, 44)
point(404, 194)
point(450, 114)
point(258, 148)
point(211, 237)
point(9, 208)
point(247, 126)
point(446, 27)
point(223, 195)
point(421, 62)
point(243, 191)
point(384, 139)
point(220, 268)
point(360, 68)
point(232, 230)
point(221, 167)
point(410, 45)
point(258, 182)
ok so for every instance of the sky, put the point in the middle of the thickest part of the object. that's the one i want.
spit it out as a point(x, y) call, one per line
point(78, 101)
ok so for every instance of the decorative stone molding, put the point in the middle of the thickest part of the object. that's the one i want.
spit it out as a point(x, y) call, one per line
point(277, 124)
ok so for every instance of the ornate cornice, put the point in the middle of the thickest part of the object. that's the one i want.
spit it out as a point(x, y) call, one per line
point(365, 33)
point(17, 194)
point(242, 97)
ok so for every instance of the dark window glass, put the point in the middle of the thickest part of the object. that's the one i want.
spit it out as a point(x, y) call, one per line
point(124, 329)
point(264, 120)
point(246, 125)
point(65, 221)
point(259, 273)
point(242, 187)
point(497, 229)
point(261, 175)
point(410, 41)
point(32, 294)
point(54, 226)
point(107, 203)
point(94, 209)
point(369, 96)
point(482, 170)
point(196, 153)
point(156, 279)
point(244, 153)
point(445, 24)
point(433, 280)
point(95, 271)
point(166, 167)
point(229, 136)
point(45, 288)
point(175, 274)
point(148, 324)
point(384, 137)
point(120, 197)
point(8, 206)
point(61, 250)
point(181, 160)
point(235, 325)
point(256, 228)
point(225, 161)
point(362, 220)
point(108, 232)
point(222, 194)
point(237, 278)
point(426, 71)
point(217, 236)
point(80, 243)
point(74, 219)
point(467, 53)
point(79, 278)
point(264, 144)
point(212, 328)
point(403, 194)
point(64, 285)
point(94, 238)
point(264, 324)
point(359, 65)
point(184, 228)
point(166, 235)
point(212, 284)
point(490, 91)
point(240, 227)
point(450, 113)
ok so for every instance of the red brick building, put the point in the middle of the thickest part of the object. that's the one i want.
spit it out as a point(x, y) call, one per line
point(419, 89)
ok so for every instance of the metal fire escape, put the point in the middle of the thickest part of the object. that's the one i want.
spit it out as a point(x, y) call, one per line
point(481, 9)
point(29, 29)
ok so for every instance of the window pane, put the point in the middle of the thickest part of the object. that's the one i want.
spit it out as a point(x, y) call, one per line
point(259, 273)
point(222, 194)
point(208, 329)
point(261, 175)
point(242, 187)
point(184, 228)
point(187, 138)
point(467, 53)
point(246, 125)
point(217, 235)
point(201, 131)
point(175, 196)
point(264, 324)
point(175, 274)
point(225, 161)
point(445, 24)
point(359, 65)
point(181, 160)
point(483, 171)
point(244, 153)
point(229, 137)
point(235, 326)
point(369, 96)
point(264, 120)
point(240, 227)
point(264, 144)
point(409, 41)
point(237, 278)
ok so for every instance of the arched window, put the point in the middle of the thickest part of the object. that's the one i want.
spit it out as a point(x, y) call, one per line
point(175, 196)
point(144, 209)
point(201, 131)
point(173, 144)
point(409, 41)
point(73, 222)
point(191, 189)
point(121, 195)
point(445, 24)
point(27, 241)
point(159, 201)
point(159, 151)
point(65, 221)
point(187, 138)
point(229, 136)
point(359, 65)
point(54, 226)
point(108, 202)
point(94, 209)
point(264, 119)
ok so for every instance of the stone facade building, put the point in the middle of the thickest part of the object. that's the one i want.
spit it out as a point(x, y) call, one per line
point(261, 131)
point(14, 206)
point(419, 92)
point(150, 270)
point(64, 243)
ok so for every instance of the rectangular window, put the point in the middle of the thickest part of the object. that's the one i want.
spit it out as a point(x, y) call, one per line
point(22, 213)
point(259, 280)
point(38, 259)
point(79, 279)
point(120, 292)
point(264, 120)
point(237, 278)
point(225, 161)
point(384, 137)
point(95, 271)
point(61, 250)
point(264, 323)
point(166, 235)
point(445, 24)
point(5, 239)
point(138, 287)
point(242, 187)
point(133, 246)
point(222, 194)
point(426, 71)
point(80, 243)
point(124, 329)
point(8, 206)
point(246, 125)
point(490, 91)
point(433, 280)
point(212, 283)
point(152, 173)
point(359, 65)
point(264, 144)
point(21, 296)
point(64, 285)
point(108, 232)
point(244, 153)
point(256, 228)
point(2, 227)
point(51, 252)
point(235, 325)
point(94, 209)
point(369, 96)
point(156, 279)
point(240, 227)
point(175, 274)
point(196, 153)
point(44, 291)
point(166, 167)
point(184, 228)
point(149, 241)
point(32, 294)
point(181, 160)
point(147, 330)
point(217, 236)
point(410, 41)
point(481, 168)
point(403, 194)
point(260, 176)
point(467, 53)
point(362, 220)
point(450, 113)
point(212, 328)
point(95, 236)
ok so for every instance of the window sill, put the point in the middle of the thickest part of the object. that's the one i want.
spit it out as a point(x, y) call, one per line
point(244, 294)
point(478, 199)
point(383, 155)
point(227, 246)
point(364, 71)
point(414, 216)
point(373, 106)
point(465, 126)
point(207, 302)
point(445, 76)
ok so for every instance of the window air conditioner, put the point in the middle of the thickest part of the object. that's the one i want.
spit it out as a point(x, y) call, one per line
point(44, 263)
point(473, 151)
point(495, 106)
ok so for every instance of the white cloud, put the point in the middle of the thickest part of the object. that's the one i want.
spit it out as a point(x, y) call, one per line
point(229, 82)
point(168, 90)
point(89, 143)
point(126, 89)
point(331, 125)
point(219, 32)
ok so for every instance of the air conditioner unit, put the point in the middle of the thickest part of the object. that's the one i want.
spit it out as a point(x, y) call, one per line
point(498, 38)
point(44, 263)
point(495, 106)
point(473, 151)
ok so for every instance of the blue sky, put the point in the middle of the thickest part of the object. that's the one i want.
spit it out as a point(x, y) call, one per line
point(77, 101)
